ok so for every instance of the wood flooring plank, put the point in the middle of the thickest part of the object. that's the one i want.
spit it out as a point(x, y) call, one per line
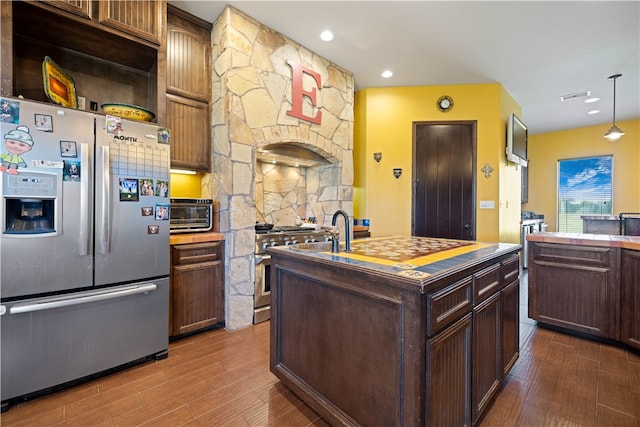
point(48, 407)
point(614, 360)
point(587, 349)
point(298, 416)
point(577, 406)
point(634, 376)
point(223, 395)
point(124, 377)
point(279, 401)
point(506, 407)
point(610, 417)
point(539, 412)
point(178, 417)
point(582, 372)
point(98, 414)
point(102, 400)
point(161, 401)
point(175, 393)
point(46, 417)
point(232, 413)
point(614, 391)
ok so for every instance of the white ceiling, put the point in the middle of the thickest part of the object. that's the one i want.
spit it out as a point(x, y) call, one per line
point(537, 50)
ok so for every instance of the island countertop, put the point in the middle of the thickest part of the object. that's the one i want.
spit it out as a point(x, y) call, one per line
point(420, 260)
point(586, 239)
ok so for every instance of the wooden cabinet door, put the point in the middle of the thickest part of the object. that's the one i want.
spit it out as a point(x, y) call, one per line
point(77, 7)
point(487, 353)
point(188, 121)
point(449, 376)
point(630, 298)
point(188, 56)
point(510, 300)
point(575, 287)
point(197, 287)
point(140, 18)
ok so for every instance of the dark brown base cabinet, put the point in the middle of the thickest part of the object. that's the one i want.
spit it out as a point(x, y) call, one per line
point(630, 298)
point(592, 290)
point(363, 348)
point(197, 287)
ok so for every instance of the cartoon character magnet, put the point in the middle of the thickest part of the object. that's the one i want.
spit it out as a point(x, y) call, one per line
point(17, 142)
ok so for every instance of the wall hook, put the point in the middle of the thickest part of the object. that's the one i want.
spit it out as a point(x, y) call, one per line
point(397, 172)
point(377, 156)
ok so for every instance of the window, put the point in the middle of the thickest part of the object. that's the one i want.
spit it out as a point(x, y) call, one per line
point(584, 188)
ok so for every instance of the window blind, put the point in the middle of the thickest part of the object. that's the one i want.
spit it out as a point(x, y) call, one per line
point(584, 188)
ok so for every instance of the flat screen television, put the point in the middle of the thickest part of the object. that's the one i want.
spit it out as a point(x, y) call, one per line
point(517, 139)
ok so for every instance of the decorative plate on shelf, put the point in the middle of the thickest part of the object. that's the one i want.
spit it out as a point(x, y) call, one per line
point(127, 111)
point(58, 85)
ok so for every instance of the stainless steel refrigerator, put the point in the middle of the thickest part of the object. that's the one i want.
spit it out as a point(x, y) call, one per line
point(84, 245)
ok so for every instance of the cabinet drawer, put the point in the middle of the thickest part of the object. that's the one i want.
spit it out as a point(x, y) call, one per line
point(510, 269)
point(486, 283)
point(448, 305)
point(196, 253)
point(591, 256)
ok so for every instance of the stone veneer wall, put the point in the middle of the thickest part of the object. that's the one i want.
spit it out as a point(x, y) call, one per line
point(251, 86)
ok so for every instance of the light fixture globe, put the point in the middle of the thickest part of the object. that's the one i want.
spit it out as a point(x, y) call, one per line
point(615, 133)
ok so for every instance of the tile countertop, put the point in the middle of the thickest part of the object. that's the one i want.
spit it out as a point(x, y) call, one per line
point(599, 218)
point(185, 238)
point(606, 240)
point(416, 258)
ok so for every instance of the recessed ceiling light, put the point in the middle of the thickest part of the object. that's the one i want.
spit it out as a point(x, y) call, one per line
point(326, 35)
point(590, 100)
point(387, 73)
point(593, 112)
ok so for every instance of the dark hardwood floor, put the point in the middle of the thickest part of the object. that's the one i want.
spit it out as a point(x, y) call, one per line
point(220, 378)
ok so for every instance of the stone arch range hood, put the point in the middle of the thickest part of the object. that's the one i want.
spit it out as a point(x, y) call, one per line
point(292, 154)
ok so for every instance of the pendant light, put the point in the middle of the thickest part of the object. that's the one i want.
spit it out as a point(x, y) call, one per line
point(615, 133)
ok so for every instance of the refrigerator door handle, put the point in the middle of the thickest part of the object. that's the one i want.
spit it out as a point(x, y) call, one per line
point(105, 229)
point(84, 199)
point(58, 302)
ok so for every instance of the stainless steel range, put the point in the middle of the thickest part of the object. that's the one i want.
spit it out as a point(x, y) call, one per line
point(277, 236)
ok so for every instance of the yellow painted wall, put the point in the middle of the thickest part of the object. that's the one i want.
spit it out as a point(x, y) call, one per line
point(384, 122)
point(546, 149)
point(359, 158)
point(187, 186)
point(510, 176)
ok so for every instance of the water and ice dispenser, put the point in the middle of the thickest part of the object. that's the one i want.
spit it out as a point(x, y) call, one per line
point(31, 204)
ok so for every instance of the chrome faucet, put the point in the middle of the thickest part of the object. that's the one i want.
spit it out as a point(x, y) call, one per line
point(347, 230)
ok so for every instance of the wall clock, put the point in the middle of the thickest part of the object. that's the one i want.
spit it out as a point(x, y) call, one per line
point(445, 103)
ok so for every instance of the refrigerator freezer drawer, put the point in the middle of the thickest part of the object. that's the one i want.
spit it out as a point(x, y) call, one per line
point(87, 334)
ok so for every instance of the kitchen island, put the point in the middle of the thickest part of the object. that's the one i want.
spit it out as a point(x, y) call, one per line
point(587, 284)
point(402, 331)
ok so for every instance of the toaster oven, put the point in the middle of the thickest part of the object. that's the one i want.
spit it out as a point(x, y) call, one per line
point(191, 215)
